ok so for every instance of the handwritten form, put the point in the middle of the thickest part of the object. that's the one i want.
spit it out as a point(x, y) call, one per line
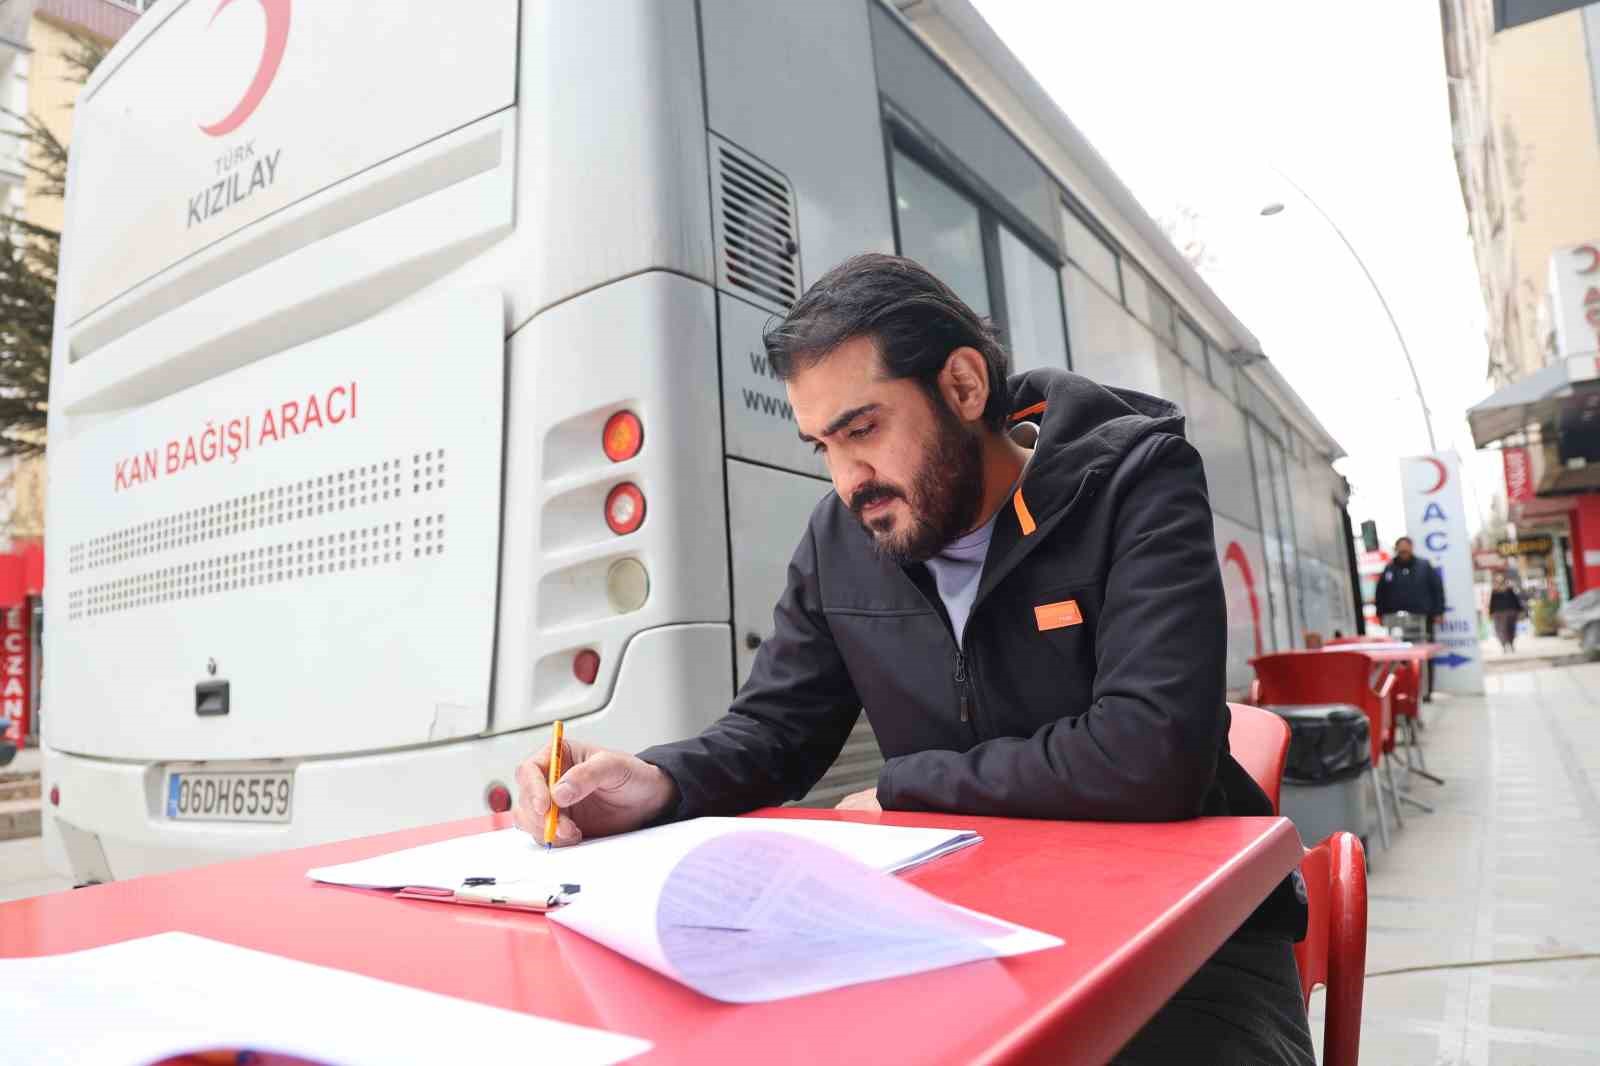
point(159, 996)
point(741, 910)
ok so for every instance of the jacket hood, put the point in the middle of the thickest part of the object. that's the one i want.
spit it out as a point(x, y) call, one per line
point(1085, 430)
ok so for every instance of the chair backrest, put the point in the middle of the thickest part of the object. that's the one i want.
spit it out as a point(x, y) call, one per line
point(1334, 952)
point(1259, 740)
point(1289, 679)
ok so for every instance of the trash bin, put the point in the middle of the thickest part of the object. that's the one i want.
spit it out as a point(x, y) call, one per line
point(1324, 785)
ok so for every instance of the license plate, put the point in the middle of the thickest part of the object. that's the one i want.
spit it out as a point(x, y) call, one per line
point(210, 796)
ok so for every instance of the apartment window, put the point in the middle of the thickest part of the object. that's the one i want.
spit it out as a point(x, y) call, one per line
point(1035, 329)
point(1086, 248)
point(942, 230)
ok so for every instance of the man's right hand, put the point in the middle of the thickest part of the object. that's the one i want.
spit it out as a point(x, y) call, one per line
point(600, 792)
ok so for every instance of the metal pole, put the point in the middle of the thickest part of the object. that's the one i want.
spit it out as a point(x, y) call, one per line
point(1427, 420)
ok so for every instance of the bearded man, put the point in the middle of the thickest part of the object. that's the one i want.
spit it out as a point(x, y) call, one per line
point(1016, 580)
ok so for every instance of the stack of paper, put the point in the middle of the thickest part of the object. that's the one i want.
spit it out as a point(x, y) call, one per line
point(742, 910)
point(173, 994)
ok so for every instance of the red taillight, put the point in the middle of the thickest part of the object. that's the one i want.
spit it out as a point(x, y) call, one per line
point(499, 797)
point(586, 666)
point(55, 795)
point(624, 508)
point(623, 436)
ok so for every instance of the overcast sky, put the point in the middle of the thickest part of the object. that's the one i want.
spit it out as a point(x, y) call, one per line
point(1194, 105)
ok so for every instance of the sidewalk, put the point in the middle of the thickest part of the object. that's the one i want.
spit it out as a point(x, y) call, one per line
point(1532, 653)
point(19, 796)
point(1505, 873)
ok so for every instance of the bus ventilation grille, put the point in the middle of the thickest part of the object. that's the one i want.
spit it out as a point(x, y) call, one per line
point(758, 236)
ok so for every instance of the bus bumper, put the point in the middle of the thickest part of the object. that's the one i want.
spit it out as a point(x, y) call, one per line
point(111, 823)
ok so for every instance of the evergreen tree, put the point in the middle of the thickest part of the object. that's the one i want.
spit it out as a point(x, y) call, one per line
point(29, 259)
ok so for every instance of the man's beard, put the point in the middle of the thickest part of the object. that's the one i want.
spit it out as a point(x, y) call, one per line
point(943, 500)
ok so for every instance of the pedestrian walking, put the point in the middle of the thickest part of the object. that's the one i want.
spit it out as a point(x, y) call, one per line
point(1411, 584)
point(1505, 607)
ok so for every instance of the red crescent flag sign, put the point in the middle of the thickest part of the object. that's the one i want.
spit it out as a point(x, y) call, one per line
point(1519, 474)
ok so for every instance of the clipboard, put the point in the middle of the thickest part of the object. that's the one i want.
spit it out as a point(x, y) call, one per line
point(537, 896)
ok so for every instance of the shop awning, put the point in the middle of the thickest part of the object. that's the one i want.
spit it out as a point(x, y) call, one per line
point(1534, 400)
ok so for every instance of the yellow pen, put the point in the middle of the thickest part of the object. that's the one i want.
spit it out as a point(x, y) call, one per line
point(554, 813)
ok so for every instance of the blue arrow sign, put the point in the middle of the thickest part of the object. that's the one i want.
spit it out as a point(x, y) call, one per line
point(1453, 660)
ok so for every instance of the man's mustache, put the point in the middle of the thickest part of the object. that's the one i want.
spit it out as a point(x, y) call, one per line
point(871, 493)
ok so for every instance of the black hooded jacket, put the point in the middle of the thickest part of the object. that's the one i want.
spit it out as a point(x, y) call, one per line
point(1090, 684)
point(1410, 585)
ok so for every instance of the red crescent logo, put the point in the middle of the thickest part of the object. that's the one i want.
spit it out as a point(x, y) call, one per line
point(1235, 555)
point(1594, 257)
point(1443, 476)
point(271, 56)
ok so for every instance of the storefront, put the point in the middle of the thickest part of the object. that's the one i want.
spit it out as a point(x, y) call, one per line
point(21, 630)
point(1547, 426)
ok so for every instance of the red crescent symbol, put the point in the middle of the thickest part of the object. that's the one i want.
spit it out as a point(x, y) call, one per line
point(1594, 258)
point(1443, 476)
point(1237, 557)
point(272, 55)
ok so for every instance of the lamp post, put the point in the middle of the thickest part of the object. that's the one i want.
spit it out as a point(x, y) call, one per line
point(1276, 208)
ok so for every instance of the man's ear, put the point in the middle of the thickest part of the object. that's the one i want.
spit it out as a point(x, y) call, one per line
point(964, 383)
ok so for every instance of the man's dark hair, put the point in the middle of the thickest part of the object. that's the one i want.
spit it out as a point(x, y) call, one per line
point(1402, 540)
point(914, 318)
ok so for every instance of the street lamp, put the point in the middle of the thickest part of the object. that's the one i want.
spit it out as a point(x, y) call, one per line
point(1277, 208)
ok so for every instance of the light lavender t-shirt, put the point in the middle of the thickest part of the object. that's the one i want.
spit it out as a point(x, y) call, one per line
point(956, 569)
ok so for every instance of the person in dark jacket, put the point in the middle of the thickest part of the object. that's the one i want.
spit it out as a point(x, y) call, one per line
point(1016, 579)
point(1505, 607)
point(1411, 584)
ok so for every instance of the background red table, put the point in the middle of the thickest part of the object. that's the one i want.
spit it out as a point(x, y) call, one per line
point(1139, 906)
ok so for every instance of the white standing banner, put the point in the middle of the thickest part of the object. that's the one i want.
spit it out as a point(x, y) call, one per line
point(1436, 522)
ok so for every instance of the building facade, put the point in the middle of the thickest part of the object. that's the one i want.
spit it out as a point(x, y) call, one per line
point(1524, 87)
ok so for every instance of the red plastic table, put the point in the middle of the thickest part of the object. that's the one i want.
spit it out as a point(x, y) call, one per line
point(1139, 906)
point(1408, 658)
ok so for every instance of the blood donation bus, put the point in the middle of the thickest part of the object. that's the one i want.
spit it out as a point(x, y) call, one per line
point(408, 392)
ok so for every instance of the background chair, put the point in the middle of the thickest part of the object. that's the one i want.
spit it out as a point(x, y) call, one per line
point(1334, 951)
point(1288, 679)
point(1259, 740)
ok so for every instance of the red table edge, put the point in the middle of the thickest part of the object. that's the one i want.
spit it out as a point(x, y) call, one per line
point(1042, 1037)
point(1040, 1040)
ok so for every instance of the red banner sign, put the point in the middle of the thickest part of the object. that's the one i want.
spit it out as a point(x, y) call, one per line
point(1519, 474)
point(16, 648)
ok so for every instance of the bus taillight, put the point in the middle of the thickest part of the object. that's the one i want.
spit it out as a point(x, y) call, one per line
point(624, 508)
point(623, 436)
point(586, 666)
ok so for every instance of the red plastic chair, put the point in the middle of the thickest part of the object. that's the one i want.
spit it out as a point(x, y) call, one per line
point(1259, 740)
point(1291, 679)
point(1334, 952)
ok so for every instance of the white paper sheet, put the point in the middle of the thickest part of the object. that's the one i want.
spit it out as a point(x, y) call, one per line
point(143, 1000)
point(749, 915)
point(512, 855)
point(740, 909)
